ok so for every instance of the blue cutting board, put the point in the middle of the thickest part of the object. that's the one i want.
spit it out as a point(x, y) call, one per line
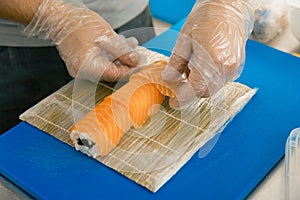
point(245, 152)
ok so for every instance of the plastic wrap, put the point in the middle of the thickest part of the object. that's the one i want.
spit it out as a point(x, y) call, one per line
point(295, 17)
point(150, 154)
point(292, 166)
point(271, 17)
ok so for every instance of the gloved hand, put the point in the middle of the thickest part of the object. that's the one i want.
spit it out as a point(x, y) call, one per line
point(210, 49)
point(86, 42)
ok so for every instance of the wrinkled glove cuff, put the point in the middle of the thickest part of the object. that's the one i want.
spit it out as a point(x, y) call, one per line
point(55, 20)
point(243, 10)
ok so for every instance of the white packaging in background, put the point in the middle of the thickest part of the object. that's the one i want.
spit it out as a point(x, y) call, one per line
point(295, 17)
point(271, 17)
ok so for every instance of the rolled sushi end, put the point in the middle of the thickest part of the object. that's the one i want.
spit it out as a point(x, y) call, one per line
point(84, 143)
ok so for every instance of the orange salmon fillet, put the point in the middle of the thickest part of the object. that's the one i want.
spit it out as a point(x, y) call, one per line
point(98, 132)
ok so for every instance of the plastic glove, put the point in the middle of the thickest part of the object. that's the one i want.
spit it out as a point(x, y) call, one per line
point(210, 49)
point(86, 42)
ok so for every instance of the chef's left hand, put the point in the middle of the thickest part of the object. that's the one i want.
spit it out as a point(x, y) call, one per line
point(210, 49)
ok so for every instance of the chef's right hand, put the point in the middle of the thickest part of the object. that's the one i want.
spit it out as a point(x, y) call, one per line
point(86, 42)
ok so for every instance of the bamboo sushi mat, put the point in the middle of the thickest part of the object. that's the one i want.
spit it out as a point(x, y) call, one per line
point(153, 153)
